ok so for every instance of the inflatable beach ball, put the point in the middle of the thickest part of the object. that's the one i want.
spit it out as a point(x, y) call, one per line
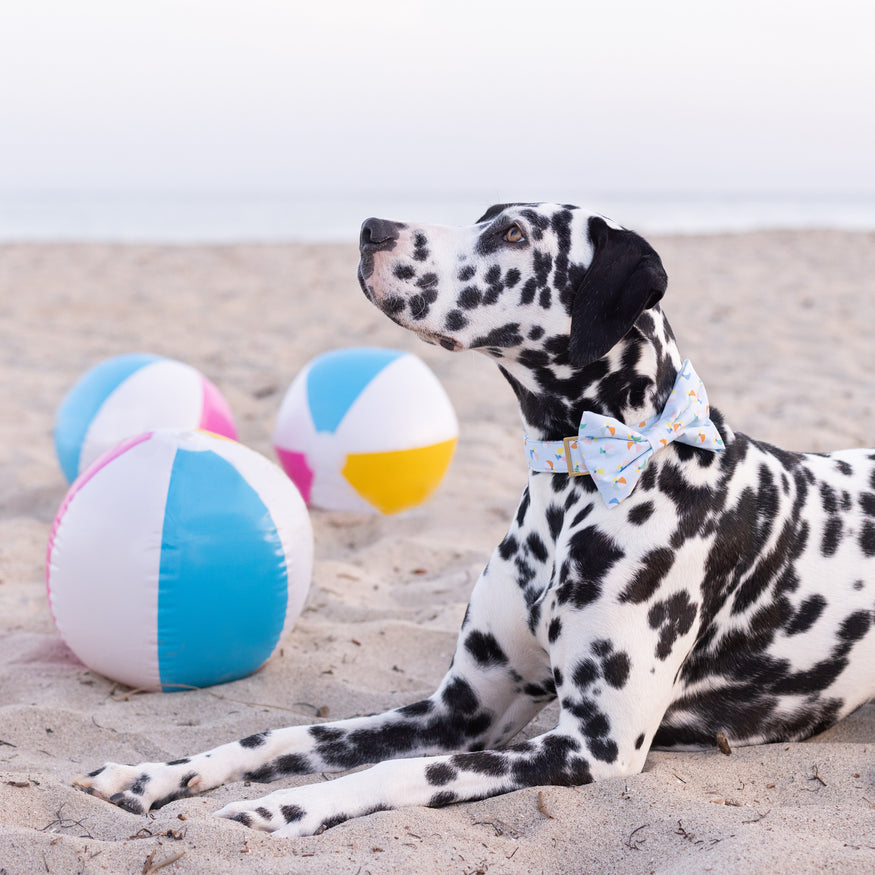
point(130, 394)
point(366, 429)
point(178, 559)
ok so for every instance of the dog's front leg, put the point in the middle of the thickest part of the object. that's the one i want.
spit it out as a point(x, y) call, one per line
point(614, 666)
point(498, 680)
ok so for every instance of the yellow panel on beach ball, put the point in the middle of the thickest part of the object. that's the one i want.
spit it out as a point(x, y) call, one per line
point(396, 480)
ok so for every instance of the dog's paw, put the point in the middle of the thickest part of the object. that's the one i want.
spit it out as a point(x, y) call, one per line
point(138, 788)
point(285, 813)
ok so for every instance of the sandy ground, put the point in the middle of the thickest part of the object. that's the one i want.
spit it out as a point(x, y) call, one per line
point(779, 325)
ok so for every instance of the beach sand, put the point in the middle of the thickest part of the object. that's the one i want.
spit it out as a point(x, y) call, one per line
point(779, 326)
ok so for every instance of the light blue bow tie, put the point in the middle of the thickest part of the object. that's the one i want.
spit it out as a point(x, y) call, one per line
point(614, 454)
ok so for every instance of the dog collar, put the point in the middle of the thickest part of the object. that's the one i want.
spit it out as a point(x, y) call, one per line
point(614, 454)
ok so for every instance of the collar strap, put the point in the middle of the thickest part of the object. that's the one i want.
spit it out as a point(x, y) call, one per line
point(614, 454)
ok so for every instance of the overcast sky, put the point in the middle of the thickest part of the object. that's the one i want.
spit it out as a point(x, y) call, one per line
point(456, 96)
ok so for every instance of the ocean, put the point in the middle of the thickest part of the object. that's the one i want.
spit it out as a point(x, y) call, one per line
point(225, 218)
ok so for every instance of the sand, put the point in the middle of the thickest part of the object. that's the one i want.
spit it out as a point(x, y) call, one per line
point(778, 324)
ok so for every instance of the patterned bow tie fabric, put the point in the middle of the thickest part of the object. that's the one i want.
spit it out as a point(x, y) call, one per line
point(614, 454)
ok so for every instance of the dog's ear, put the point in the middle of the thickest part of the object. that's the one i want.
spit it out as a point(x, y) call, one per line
point(624, 278)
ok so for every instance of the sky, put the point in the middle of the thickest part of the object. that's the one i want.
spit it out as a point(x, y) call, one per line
point(453, 97)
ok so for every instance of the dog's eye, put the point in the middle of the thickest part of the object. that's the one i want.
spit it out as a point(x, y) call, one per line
point(514, 234)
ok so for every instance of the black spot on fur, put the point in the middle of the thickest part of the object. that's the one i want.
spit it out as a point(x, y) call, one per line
point(537, 547)
point(616, 670)
point(867, 538)
point(503, 337)
point(418, 709)
point(807, 615)
point(391, 305)
point(555, 517)
point(445, 797)
point(855, 626)
point(138, 788)
point(673, 617)
point(645, 582)
point(440, 774)
point(832, 534)
point(420, 250)
point(482, 762)
point(592, 554)
point(288, 764)
point(586, 673)
point(459, 696)
point(508, 547)
point(455, 321)
point(485, 649)
point(639, 514)
point(253, 741)
point(469, 298)
point(639, 741)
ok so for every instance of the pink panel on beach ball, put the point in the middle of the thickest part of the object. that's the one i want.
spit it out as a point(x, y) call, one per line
point(300, 473)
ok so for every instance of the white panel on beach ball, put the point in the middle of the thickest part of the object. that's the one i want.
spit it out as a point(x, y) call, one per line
point(127, 395)
point(178, 559)
point(366, 429)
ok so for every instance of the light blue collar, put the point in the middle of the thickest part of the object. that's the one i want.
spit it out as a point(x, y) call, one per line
point(614, 454)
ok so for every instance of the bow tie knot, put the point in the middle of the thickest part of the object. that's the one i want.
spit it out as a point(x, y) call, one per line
point(615, 454)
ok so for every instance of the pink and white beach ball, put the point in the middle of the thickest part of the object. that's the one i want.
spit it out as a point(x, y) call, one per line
point(178, 559)
point(127, 395)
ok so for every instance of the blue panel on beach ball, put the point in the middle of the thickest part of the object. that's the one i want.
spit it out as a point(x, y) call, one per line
point(82, 402)
point(336, 379)
point(223, 586)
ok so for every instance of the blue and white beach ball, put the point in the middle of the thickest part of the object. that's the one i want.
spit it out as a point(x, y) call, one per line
point(365, 429)
point(127, 395)
point(178, 559)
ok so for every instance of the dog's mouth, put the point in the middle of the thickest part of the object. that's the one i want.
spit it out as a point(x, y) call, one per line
point(438, 339)
point(394, 305)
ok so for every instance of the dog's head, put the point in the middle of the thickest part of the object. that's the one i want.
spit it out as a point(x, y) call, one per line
point(533, 282)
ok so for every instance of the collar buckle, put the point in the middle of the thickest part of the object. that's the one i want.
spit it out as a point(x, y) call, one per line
point(571, 472)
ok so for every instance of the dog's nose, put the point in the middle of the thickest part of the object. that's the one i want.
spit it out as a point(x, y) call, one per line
point(378, 234)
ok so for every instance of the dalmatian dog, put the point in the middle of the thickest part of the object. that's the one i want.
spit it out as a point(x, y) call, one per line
point(729, 592)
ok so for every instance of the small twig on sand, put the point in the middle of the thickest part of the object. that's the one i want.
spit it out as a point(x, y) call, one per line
point(542, 807)
point(636, 842)
point(816, 777)
point(149, 867)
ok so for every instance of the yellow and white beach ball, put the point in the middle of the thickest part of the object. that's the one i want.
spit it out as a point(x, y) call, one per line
point(364, 429)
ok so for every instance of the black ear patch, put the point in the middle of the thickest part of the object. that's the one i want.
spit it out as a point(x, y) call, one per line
point(624, 278)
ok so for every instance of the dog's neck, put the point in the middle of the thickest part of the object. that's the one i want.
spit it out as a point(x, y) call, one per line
point(631, 383)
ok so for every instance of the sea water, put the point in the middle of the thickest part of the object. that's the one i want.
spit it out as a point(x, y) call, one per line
point(223, 218)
